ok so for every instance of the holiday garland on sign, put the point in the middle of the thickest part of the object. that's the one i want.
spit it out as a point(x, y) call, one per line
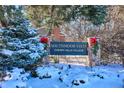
point(95, 48)
point(94, 45)
point(45, 41)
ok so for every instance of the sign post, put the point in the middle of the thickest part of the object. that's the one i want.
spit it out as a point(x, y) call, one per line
point(94, 49)
point(90, 52)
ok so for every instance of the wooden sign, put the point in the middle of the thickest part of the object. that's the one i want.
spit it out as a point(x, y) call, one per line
point(74, 52)
point(68, 48)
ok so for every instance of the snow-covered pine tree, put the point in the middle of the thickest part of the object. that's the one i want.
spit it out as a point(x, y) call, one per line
point(22, 44)
point(1, 45)
point(1, 39)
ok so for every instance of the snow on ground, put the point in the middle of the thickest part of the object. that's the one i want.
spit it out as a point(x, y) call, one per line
point(66, 76)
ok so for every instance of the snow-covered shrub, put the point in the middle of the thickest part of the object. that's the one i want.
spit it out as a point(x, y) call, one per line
point(22, 42)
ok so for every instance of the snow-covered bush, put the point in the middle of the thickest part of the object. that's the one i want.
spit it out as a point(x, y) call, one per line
point(22, 44)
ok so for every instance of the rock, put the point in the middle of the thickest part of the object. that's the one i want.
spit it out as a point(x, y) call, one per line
point(40, 77)
point(75, 82)
point(82, 81)
point(102, 77)
point(59, 72)
point(98, 75)
point(118, 75)
point(34, 74)
point(60, 79)
point(17, 86)
point(46, 76)
point(66, 74)
point(69, 66)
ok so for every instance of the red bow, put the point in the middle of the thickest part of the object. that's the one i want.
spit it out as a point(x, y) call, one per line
point(93, 41)
point(44, 40)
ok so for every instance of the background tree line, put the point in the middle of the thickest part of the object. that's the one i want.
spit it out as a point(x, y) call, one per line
point(49, 16)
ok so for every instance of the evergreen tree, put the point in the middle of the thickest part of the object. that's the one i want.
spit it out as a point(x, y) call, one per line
point(51, 16)
point(22, 44)
point(10, 12)
point(1, 39)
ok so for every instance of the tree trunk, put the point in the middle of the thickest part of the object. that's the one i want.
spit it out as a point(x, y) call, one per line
point(3, 23)
point(3, 20)
point(51, 24)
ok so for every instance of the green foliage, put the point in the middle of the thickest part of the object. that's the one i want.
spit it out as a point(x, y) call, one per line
point(10, 12)
point(55, 15)
point(95, 48)
point(22, 44)
point(96, 14)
